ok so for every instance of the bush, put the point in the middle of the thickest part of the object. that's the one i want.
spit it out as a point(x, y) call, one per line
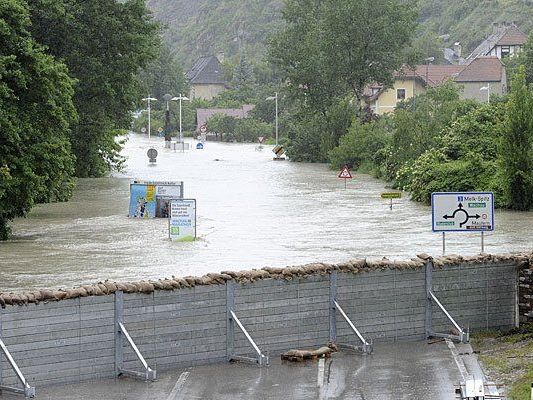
point(361, 145)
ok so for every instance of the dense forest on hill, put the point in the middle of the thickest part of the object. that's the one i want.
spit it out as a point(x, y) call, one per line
point(200, 27)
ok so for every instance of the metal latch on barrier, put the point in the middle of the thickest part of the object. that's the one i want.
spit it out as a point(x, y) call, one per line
point(27, 390)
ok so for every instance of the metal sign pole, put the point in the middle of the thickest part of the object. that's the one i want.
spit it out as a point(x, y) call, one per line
point(443, 243)
point(482, 242)
point(391, 203)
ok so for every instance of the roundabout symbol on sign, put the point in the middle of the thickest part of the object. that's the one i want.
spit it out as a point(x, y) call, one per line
point(460, 209)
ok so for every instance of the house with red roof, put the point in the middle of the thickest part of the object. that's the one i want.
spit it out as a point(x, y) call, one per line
point(408, 83)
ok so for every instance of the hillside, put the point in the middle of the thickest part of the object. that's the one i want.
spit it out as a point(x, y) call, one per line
point(200, 27)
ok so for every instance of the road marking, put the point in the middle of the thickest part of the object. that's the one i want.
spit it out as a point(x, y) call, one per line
point(320, 377)
point(178, 386)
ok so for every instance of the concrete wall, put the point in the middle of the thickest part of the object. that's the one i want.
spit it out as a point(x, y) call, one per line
point(73, 340)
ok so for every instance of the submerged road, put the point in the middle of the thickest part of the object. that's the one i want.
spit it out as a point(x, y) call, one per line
point(252, 212)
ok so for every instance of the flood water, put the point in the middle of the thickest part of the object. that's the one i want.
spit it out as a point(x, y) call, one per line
point(252, 212)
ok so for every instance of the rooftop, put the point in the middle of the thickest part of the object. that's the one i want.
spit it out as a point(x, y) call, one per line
point(205, 71)
point(482, 69)
point(505, 35)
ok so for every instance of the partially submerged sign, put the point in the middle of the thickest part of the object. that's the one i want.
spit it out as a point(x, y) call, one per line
point(152, 155)
point(462, 211)
point(345, 173)
point(150, 199)
point(278, 150)
point(182, 220)
point(391, 195)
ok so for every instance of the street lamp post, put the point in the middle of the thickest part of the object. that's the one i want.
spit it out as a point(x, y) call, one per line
point(275, 97)
point(180, 98)
point(487, 88)
point(428, 60)
point(149, 99)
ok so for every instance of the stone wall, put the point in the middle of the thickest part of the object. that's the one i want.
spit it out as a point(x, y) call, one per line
point(69, 335)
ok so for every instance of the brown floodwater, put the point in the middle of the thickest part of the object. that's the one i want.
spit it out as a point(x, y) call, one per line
point(252, 212)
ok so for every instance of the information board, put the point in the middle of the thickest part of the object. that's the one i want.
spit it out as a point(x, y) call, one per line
point(150, 199)
point(462, 211)
point(182, 220)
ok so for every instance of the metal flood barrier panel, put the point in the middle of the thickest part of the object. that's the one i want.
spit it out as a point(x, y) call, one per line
point(75, 340)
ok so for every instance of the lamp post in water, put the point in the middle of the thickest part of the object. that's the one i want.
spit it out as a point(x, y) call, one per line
point(275, 97)
point(180, 98)
point(167, 97)
point(149, 99)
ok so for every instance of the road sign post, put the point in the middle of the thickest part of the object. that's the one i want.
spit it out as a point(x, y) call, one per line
point(278, 150)
point(462, 212)
point(345, 174)
point(391, 195)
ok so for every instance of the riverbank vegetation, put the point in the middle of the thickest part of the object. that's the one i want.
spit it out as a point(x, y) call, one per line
point(435, 141)
point(68, 83)
point(507, 359)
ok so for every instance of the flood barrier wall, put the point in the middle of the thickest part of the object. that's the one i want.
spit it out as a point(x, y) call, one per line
point(73, 339)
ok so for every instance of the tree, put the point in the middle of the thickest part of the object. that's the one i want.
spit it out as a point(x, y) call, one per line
point(517, 144)
point(526, 58)
point(104, 43)
point(333, 47)
point(36, 162)
point(244, 73)
point(163, 75)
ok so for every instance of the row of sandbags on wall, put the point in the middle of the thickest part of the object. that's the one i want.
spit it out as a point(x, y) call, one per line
point(524, 261)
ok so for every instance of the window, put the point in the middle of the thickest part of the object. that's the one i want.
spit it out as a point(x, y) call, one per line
point(506, 50)
point(400, 94)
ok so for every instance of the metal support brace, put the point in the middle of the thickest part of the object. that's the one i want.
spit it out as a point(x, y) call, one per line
point(27, 390)
point(120, 333)
point(464, 334)
point(332, 309)
point(428, 270)
point(232, 319)
point(367, 346)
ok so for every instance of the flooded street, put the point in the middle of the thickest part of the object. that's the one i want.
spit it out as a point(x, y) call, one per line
point(252, 212)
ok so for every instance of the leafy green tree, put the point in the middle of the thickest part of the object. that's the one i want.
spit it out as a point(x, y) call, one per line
point(222, 124)
point(36, 162)
point(526, 58)
point(163, 75)
point(243, 73)
point(419, 121)
point(358, 148)
point(104, 43)
point(249, 129)
point(333, 47)
point(517, 144)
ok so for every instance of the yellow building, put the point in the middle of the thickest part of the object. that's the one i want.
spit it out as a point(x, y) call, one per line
point(407, 83)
